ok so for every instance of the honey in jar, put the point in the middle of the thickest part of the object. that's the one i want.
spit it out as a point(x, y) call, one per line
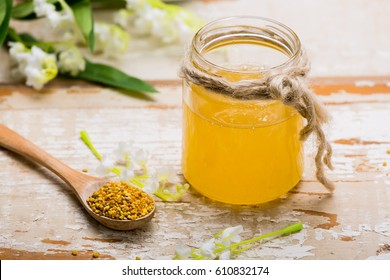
point(241, 151)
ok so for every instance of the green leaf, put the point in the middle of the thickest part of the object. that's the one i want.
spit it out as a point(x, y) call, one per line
point(84, 19)
point(5, 15)
point(111, 76)
point(28, 38)
point(13, 36)
point(3, 5)
point(108, 4)
point(23, 10)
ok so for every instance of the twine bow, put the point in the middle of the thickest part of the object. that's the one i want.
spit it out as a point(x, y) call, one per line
point(290, 86)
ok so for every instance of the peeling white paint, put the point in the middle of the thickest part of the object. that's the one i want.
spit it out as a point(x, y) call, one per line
point(364, 227)
point(319, 234)
point(284, 252)
point(380, 257)
point(77, 227)
point(364, 83)
point(383, 229)
point(357, 200)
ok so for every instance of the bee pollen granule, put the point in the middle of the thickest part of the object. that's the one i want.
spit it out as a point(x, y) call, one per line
point(120, 201)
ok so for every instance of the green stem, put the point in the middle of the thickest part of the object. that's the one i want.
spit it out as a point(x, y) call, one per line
point(85, 138)
point(137, 182)
point(116, 171)
point(287, 230)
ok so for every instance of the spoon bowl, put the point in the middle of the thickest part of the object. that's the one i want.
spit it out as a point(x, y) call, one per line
point(82, 185)
point(89, 189)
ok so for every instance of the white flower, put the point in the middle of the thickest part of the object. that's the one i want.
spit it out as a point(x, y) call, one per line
point(182, 251)
point(143, 20)
point(71, 61)
point(207, 249)
point(129, 165)
point(164, 26)
point(187, 23)
point(169, 23)
point(58, 19)
point(37, 66)
point(122, 17)
point(232, 234)
point(164, 174)
point(152, 184)
point(122, 153)
point(140, 157)
point(225, 255)
point(18, 51)
point(107, 164)
point(125, 161)
point(136, 4)
point(110, 39)
point(126, 154)
point(42, 8)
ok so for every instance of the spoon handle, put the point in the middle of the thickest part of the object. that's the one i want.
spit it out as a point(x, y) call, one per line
point(11, 140)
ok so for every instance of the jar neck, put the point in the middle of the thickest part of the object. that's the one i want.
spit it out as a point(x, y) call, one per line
point(262, 46)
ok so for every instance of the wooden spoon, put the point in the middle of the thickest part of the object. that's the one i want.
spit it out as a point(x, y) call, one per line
point(81, 184)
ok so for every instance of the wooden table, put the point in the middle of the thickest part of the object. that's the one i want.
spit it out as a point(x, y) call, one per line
point(41, 219)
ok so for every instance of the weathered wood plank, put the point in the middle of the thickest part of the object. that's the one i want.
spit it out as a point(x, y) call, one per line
point(40, 217)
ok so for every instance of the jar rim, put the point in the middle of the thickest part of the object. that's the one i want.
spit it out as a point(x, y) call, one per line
point(203, 30)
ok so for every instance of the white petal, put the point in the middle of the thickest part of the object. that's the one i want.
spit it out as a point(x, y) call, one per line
point(232, 234)
point(102, 171)
point(165, 173)
point(152, 185)
point(71, 61)
point(107, 161)
point(182, 251)
point(225, 255)
point(207, 249)
point(125, 175)
point(110, 39)
point(140, 156)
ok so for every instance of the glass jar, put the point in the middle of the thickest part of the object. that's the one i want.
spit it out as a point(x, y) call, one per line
point(241, 151)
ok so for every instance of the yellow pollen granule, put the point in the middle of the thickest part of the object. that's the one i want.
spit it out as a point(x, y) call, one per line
point(120, 201)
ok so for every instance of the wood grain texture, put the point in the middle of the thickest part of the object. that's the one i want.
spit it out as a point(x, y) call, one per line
point(40, 218)
point(36, 207)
